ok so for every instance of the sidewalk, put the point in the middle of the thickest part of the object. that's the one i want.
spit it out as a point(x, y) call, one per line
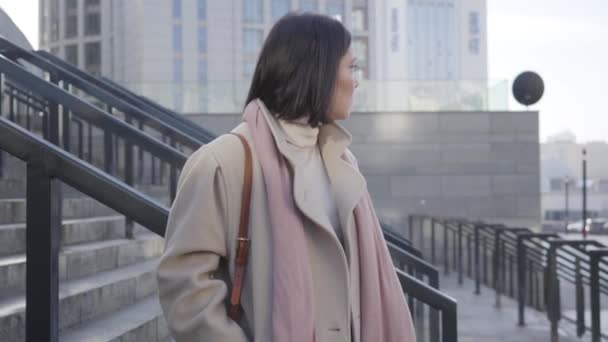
point(480, 321)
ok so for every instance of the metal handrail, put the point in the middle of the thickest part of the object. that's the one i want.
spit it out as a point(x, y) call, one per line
point(179, 122)
point(445, 304)
point(163, 125)
point(47, 163)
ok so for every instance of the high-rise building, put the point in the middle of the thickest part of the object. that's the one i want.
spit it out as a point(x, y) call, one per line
point(199, 55)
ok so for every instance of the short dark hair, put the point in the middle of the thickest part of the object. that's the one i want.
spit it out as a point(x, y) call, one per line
point(298, 66)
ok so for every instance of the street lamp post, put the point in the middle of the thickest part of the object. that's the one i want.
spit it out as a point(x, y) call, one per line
point(584, 194)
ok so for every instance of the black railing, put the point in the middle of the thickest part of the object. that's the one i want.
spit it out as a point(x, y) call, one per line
point(53, 107)
point(532, 268)
point(46, 165)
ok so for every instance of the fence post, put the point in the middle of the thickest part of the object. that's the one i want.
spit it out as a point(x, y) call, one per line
point(477, 275)
point(521, 279)
point(43, 239)
point(433, 259)
point(594, 260)
point(460, 280)
point(446, 263)
point(580, 301)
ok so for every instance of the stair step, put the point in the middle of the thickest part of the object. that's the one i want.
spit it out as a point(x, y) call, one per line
point(13, 210)
point(83, 260)
point(142, 321)
point(12, 236)
point(86, 299)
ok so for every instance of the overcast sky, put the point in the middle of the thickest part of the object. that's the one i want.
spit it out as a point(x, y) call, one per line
point(565, 41)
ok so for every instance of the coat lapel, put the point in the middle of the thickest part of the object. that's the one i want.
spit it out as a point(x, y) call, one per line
point(305, 202)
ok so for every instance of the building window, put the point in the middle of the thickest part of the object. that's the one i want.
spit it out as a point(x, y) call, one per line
point(202, 9)
point(335, 9)
point(361, 52)
point(92, 18)
point(177, 37)
point(252, 11)
point(71, 18)
point(309, 5)
point(248, 68)
point(202, 39)
point(54, 20)
point(178, 66)
point(252, 40)
point(71, 54)
point(92, 58)
point(177, 8)
point(55, 51)
point(279, 8)
point(395, 30)
point(202, 70)
point(359, 18)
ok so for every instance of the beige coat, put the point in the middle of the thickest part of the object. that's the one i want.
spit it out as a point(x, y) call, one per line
point(201, 239)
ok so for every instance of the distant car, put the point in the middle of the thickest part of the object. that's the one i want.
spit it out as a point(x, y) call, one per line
point(596, 225)
point(575, 226)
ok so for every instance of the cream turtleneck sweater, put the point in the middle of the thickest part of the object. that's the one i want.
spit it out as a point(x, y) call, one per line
point(300, 134)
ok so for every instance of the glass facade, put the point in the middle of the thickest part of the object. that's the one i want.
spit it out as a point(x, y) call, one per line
point(252, 40)
point(54, 19)
point(92, 18)
point(309, 5)
point(280, 8)
point(71, 54)
point(336, 9)
point(202, 9)
point(92, 58)
point(71, 19)
point(253, 11)
point(359, 18)
point(431, 39)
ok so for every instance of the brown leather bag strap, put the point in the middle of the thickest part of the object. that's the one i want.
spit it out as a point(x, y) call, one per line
point(242, 247)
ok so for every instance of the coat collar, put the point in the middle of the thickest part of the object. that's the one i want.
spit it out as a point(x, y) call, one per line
point(348, 185)
point(333, 138)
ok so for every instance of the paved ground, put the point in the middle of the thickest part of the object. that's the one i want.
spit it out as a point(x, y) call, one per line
point(481, 321)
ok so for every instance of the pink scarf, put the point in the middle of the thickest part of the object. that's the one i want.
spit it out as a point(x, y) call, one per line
point(385, 316)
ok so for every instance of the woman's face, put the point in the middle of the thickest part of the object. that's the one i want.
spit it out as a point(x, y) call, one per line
point(346, 82)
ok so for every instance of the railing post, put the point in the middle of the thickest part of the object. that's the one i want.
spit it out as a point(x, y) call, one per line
point(129, 225)
point(446, 263)
point(53, 117)
point(594, 260)
point(410, 227)
point(172, 175)
point(521, 279)
point(460, 280)
point(454, 249)
point(477, 227)
point(433, 259)
point(553, 297)
point(90, 142)
point(108, 148)
point(511, 277)
point(469, 258)
point(580, 301)
point(485, 260)
point(65, 121)
point(496, 265)
point(43, 239)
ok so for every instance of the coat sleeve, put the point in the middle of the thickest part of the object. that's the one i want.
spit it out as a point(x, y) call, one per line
point(193, 301)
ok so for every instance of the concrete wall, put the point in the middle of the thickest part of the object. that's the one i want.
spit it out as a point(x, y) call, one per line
point(481, 165)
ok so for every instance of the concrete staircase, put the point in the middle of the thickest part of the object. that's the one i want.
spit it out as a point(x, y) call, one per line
point(108, 284)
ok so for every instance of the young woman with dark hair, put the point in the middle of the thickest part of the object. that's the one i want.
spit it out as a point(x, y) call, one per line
point(317, 267)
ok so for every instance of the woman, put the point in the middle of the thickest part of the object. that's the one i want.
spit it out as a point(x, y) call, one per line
point(318, 268)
